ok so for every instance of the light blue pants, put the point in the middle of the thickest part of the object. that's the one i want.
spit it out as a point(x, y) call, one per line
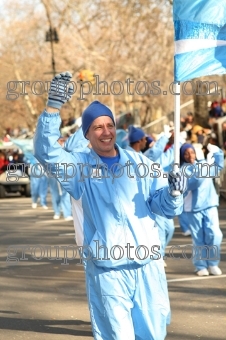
point(55, 196)
point(166, 230)
point(65, 203)
point(183, 222)
point(39, 188)
point(60, 198)
point(128, 303)
point(205, 230)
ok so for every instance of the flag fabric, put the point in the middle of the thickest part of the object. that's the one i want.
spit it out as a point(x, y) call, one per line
point(200, 38)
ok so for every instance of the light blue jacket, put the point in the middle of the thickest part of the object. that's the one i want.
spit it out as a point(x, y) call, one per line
point(201, 193)
point(165, 160)
point(116, 212)
point(157, 149)
point(156, 152)
point(122, 138)
point(76, 142)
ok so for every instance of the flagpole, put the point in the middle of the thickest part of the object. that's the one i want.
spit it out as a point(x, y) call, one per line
point(177, 126)
point(176, 131)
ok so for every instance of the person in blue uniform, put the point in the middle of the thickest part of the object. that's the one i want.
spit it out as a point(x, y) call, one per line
point(38, 178)
point(155, 153)
point(126, 288)
point(200, 207)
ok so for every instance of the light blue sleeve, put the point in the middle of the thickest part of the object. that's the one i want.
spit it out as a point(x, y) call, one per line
point(158, 148)
point(163, 204)
point(76, 142)
point(219, 159)
point(122, 138)
point(195, 180)
point(49, 152)
point(166, 158)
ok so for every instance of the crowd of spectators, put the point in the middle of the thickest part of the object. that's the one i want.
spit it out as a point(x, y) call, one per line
point(9, 153)
point(191, 132)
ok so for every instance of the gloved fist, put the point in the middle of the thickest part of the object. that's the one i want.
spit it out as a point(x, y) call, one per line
point(177, 183)
point(60, 92)
point(167, 132)
point(198, 151)
point(212, 148)
point(183, 137)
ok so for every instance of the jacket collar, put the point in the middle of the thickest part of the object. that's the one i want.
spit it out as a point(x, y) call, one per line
point(94, 158)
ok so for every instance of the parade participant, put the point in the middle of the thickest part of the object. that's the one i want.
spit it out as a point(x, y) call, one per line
point(182, 218)
point(61, 201)
point(200, 208)
point(38, 178)
point(127, 292)
point(137, 140)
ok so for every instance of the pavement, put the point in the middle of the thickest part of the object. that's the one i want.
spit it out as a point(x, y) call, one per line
point(44, 298)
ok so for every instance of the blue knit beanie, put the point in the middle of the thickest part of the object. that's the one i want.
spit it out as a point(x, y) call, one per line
point(217, 111)
point(135, 134)
point(183, 148)
point(149, 140)
point(93, 111)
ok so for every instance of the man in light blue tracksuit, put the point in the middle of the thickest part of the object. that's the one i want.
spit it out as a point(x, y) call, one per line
point(157, 150)
point(137, 142)
point(60, 200)
point(156, 154)
point(39, 186)
point(126, 287)
point(200, 207)
point(38, 180)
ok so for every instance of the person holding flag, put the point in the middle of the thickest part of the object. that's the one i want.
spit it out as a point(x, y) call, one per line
point(127, 292)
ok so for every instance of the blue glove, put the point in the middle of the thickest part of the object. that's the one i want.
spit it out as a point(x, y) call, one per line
point(60, 92)
point(177, 183)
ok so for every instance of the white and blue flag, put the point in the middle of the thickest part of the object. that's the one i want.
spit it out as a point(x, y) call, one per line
point(200, 38)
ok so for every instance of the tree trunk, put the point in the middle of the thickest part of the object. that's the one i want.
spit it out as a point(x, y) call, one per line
point(201, 114)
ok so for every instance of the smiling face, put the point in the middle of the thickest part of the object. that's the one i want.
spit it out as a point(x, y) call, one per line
point(189, 156)
point(102, 136)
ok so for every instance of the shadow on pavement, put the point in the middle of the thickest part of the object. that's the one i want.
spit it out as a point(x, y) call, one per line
point(46, 326)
